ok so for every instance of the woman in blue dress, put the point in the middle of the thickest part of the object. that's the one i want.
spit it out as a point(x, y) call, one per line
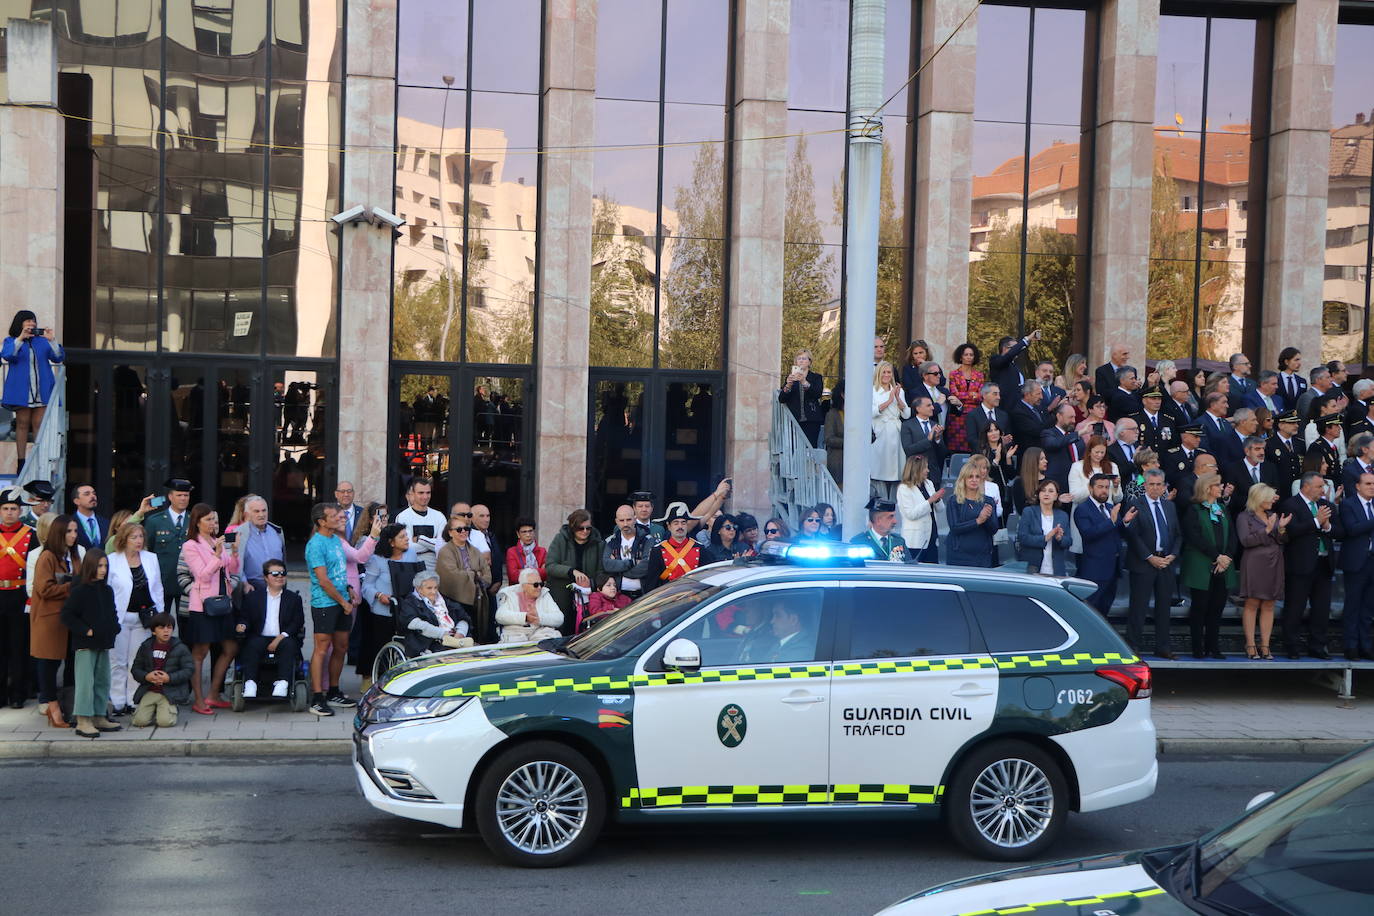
point(31, 352)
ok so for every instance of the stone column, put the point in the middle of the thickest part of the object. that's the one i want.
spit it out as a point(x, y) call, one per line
point(565, 245)
point(944, 175)
point(1123, 171)
point(1299, 148)
point(759, 182)
point(32, 160)
point(365, 292)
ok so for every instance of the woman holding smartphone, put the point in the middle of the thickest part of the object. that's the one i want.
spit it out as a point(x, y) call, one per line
point(801, 392)
point(31, 352)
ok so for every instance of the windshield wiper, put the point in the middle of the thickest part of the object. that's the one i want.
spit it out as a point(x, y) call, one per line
point(559, 644)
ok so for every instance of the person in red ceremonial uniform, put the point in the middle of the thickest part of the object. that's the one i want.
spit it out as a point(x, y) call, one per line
point(678, 555)
point(16, 540)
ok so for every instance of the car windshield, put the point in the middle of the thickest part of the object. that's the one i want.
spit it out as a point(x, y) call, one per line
point(1308, 851)
point(645, 618)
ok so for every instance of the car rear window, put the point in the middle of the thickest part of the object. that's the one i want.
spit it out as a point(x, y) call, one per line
point(1015, 623)
point(905, 623)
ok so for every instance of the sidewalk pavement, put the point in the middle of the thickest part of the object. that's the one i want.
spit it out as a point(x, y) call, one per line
point(1204, 712)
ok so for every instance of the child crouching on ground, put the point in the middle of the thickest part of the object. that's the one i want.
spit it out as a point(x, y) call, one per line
point(162, 668)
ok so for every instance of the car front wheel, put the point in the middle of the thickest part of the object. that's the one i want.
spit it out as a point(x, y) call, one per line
point(540, 805)
point(1007, 802)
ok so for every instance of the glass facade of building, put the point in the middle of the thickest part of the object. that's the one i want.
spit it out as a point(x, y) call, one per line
point(1206, 149)
point(201, 303)
point(1025, 248)
point(1350, 185)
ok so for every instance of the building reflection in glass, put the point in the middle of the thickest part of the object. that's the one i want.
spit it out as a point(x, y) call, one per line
point(1350, 180)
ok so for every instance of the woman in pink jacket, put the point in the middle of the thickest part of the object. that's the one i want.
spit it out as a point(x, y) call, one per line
point(212, 569)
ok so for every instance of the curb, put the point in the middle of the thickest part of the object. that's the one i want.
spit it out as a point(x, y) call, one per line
point(249, 747)
point(340, 747)
point(1331, 747)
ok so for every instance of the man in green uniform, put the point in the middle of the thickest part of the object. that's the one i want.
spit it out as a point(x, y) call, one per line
point(882, 518)
point(166, 532)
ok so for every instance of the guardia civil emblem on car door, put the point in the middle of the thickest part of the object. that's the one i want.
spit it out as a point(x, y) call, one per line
point(731, 726)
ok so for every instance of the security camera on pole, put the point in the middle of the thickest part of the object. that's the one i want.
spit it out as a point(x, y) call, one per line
point(868, 19)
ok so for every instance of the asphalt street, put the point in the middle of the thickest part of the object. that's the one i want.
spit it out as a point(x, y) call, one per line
point(294, 836)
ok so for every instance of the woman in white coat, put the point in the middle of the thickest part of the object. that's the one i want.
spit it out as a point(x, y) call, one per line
point(526, 611)
point(889, 410)
point(916, 502)
point(136, 579)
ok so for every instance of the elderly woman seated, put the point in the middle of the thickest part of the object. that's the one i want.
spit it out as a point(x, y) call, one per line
point(526, 611)
point(429, 622)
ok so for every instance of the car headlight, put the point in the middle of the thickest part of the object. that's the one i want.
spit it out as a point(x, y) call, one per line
point(387, 708)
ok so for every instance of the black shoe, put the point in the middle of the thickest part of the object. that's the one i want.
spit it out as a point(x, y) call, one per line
point(16, 704)
point(339, 698)
point(1199, 656)
point(1319, 653)
point(320, 706)
point(1217, 656)
point(1293, 653)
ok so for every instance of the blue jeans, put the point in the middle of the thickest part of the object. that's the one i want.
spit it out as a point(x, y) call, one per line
point(92, 682)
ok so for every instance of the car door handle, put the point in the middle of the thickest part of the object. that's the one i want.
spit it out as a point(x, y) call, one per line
point(971, 691)
point(802, 701)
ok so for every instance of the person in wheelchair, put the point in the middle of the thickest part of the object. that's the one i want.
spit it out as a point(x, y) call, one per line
point(526, 611)
point(429, 622)
point(270, 621)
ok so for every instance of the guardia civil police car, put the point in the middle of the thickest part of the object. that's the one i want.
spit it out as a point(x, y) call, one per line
point(803, 684)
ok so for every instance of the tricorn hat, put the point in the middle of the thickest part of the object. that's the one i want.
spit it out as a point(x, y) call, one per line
point(674, 512)
point(12, 496)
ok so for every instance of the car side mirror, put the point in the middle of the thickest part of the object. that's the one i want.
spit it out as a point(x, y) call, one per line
point(1259, 800)
point(682, 654)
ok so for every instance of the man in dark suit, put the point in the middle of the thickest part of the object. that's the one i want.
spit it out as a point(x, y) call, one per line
point(1156, 426)
point(1178, 405)
point(921, 435)
point(1309, 566)
point(1321, 384)
point(1361, 426)
point(1100, 524)
point(1241, 383)
point(1122, 400)
point(1127, 443)
point(1062, 446)
point(990, 411)
point(1361, 461)
point(1028, 421)
point(1357, 562)
point(1003, 366)
point(91, 529)
point(271, 620)
point(1285, 451)
point(1104, 379)
point(1266, 394)
point(1359, 406)
point(1247, 472)
point(1291, 383)
point(1054, 395)
point(1215, 428)
point(929, 386)
point(1153, 541)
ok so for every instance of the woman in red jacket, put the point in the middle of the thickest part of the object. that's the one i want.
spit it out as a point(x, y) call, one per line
point(526, 554)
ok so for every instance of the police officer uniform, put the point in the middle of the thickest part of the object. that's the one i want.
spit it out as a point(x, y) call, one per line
point(1286, 455)
point(38, 492)
point(166, 532)
point(1327, 451)
point(1178, 464)
point(1156, 432)
point(655, 532)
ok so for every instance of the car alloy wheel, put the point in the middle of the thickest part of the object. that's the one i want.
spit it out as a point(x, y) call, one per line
point(542, 807)
point(1012, 803)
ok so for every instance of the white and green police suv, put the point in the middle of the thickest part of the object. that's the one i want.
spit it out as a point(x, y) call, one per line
point(777, 686)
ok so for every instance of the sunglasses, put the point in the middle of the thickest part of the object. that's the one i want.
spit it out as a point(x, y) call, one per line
point(930, 373)
point(810, 520)
point(771, 531)
point(584, 528)
point(277, 574)
point(727, 527)
point(462, 515)
point(463, 530)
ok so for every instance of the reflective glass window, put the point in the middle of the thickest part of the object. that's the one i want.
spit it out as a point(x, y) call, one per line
point(1350, 185)
point(1201, 187)
point(1023, 233)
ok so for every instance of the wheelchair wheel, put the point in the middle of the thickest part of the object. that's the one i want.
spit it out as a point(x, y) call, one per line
point(388, 657)
point(236, 700)
point(300, 696)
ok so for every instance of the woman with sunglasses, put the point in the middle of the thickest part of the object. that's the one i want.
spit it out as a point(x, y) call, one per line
point(810, 526)
point(725, 541)
point(573, 562)
point(775, 529)
point(464, 571)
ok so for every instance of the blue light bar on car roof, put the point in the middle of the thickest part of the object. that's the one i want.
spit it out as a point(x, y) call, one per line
point(815, 553)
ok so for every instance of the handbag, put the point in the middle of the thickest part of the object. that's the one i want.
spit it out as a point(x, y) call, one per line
point(220, 605)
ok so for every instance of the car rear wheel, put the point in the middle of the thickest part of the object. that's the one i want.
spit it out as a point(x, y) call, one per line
point(1007, 802)
point(540, 805)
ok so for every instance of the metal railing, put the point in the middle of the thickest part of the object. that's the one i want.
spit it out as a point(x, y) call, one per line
point(47, 460)
point(800, 478)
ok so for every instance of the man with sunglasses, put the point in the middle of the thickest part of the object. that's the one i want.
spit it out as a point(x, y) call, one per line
point(626, 554)
point(271, 620)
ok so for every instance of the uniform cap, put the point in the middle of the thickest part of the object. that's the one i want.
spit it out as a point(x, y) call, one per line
point(641, 496)
point(1194, 428)
point(178, 485)
point(1288, 416)
point(40, 489)
point(1333, 420)
point(1155, 392)
point(878, 504)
